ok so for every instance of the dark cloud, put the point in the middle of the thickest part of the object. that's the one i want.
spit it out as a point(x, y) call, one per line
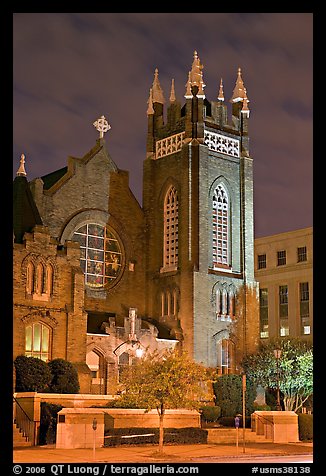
point(70, 68)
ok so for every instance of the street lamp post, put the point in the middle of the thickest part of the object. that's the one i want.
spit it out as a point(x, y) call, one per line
point(277, 354)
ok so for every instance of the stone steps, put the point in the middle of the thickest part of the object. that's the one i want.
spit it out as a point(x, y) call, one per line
point(229, 435)
point(18, 438)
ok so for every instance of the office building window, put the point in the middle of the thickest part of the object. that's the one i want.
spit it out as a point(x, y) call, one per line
point(263, 308)
point(261, 261)
point(281, 258)
point(283, 311)
point(302, 254)
point(304, 309)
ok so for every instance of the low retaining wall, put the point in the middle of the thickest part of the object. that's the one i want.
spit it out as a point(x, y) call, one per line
point(279, 426)
point(75, 425)
point(75, 428)
point(30, 402)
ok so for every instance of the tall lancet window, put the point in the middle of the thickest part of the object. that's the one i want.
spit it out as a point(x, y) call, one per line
point(170, 245)
point(220, 227)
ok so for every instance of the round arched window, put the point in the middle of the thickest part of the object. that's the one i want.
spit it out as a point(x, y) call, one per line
point(101, 254)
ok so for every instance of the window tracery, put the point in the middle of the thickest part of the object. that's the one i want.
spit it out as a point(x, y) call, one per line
point(170, 239)
point(101, 254)
point(220, 227)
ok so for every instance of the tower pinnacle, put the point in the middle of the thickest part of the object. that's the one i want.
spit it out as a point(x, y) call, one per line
point(172, 93)
point(220, 96)
point(195, 78)
point(239, 89)
point(245, 109)
point(21, 170)
point(150, 109)
point(157, 95)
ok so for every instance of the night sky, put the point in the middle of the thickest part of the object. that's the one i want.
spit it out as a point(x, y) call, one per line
point(71, 68)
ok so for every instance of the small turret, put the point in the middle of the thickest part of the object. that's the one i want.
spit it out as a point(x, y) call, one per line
point(195, 97)
point(174, 109)
point(239, 97)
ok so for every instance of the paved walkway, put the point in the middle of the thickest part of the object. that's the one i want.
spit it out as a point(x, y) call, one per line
point(149, 453)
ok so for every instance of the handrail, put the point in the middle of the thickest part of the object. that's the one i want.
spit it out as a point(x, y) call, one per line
point(24, 423)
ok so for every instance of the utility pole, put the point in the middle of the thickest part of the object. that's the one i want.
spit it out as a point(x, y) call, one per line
point(244, 410)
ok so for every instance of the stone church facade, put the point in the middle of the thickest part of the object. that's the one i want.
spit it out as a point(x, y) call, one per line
point(99, 279)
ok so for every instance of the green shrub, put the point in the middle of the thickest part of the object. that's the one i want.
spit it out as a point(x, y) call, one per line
point(48, 423)
point(265, 408)
point(305, 427)
point(210, 413)
point(64, 377)
point(228, 392)
point(32, 374)
point(126, 436)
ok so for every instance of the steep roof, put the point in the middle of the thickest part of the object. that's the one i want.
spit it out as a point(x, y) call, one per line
point(51, 178)
point(25, 212)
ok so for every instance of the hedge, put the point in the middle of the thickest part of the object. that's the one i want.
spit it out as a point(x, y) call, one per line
point(305, 427)
point(48, 423)
point(126, 436)
point(210, 413)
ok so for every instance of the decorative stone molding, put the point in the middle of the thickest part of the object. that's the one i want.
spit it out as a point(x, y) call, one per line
point(169, 145)
point(224, 144)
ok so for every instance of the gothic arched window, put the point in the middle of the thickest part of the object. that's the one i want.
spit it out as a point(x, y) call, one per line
point(37, 341)
point(225, 356)
point(224, 302)
point(30, 278)
point(220, 230)
point(170, 240)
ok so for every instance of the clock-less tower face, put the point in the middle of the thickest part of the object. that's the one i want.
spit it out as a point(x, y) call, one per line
point(101, 255)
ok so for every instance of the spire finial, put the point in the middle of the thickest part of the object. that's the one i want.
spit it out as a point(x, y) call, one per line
point(21, 170)
point(102, 126)
point(157, 90)
point(220, 96)
point(172, 93)
point(150, 109)
point(195, 78)
point(238, 92)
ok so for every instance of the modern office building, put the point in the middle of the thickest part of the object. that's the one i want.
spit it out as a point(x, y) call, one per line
point(284, 270)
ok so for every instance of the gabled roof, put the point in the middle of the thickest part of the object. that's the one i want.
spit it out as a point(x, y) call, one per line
point(25, 212)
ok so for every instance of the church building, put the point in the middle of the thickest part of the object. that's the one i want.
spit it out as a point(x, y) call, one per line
point(100, 279)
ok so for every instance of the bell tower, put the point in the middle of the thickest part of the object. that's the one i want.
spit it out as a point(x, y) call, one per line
point(198, 205)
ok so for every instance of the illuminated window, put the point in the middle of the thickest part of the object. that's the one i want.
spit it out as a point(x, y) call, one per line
point(37, 341)
point(304, 309)
point(283, 311)
point(101, 255)
point(263, 308)
point(220, 230)
point(225, 356)
point(171, 246)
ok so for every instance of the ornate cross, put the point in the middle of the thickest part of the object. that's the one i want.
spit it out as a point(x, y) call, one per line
point(102, 126)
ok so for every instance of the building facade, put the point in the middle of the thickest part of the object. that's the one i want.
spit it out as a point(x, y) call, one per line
point(284, 270)
point(99, 278)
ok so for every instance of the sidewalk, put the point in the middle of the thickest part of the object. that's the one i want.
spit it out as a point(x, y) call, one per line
point(148, 454)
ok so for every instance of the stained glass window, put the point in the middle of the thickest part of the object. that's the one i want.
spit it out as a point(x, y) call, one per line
point(101, 255)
